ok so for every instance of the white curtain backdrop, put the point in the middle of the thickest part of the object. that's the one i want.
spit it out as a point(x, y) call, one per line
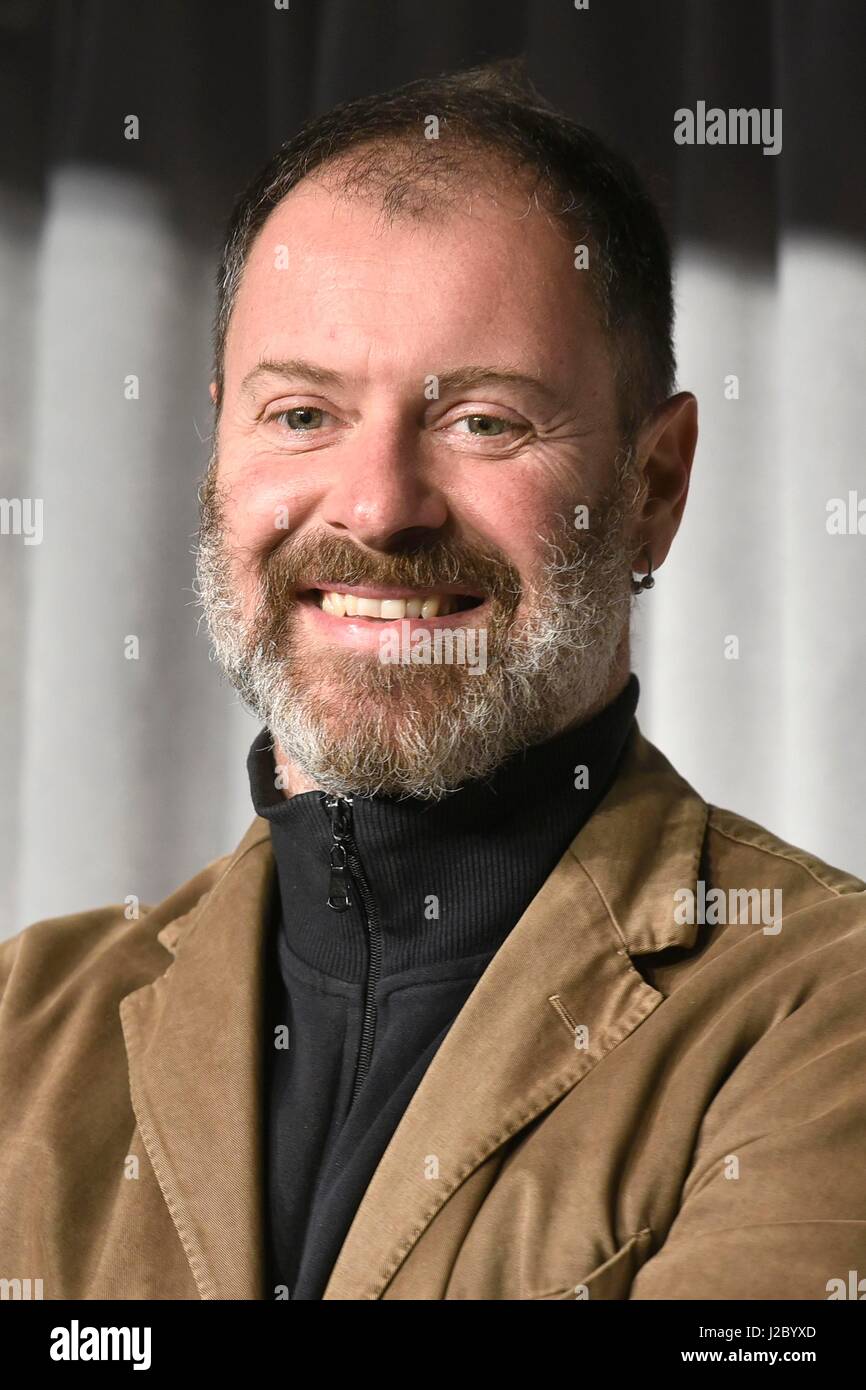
point(777, 734)
point(125, 776)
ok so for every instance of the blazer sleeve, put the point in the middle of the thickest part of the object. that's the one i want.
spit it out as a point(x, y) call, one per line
point(774, 1205)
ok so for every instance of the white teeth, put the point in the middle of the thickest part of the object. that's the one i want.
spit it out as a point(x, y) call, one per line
point(352, 605)
point(392, 608)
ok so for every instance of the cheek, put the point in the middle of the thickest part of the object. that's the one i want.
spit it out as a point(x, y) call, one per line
point(265, 500)
point(512, 511)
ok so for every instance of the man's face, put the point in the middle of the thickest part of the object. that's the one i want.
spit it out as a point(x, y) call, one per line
point(390, 467)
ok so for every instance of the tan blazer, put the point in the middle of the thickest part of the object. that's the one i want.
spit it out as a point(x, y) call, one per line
point(627, 1106)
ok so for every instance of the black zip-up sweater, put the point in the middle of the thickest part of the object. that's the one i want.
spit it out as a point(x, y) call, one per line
point(365, 995)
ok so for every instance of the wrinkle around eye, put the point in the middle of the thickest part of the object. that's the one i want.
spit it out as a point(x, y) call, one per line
point(516, 435)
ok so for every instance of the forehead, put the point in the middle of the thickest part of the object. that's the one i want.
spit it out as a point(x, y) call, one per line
point(488, 276)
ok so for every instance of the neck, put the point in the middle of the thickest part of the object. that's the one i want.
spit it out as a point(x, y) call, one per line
point(469, 864)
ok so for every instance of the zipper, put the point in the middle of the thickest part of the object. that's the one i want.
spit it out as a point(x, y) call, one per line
point(346, 873)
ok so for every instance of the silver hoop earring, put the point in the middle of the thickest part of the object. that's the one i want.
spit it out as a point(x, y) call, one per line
point(646, 581)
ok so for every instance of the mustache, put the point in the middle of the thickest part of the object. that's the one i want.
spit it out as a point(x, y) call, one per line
point(320, 559)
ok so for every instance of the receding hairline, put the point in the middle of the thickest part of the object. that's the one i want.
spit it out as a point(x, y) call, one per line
point(413, 191)
point(385, 172)
point(407, 175)
point(422, 147)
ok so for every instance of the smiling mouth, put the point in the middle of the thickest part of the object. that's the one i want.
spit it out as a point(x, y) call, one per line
point(344, 603)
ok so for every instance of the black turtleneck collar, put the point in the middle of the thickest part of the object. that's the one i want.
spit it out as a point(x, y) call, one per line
point(449, 878)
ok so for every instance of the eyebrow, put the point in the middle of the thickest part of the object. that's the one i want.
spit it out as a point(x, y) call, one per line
point(299, 369)
point(296, 368)
point(462, 377)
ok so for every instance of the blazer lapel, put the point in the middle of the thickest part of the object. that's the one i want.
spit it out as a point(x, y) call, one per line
point(194, 1043)
point(558, 996)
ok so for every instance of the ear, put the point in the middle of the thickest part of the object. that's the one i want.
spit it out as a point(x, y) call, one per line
point(213, 392)
point(666, 449)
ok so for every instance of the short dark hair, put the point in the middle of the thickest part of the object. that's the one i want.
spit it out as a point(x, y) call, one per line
point(377, 145)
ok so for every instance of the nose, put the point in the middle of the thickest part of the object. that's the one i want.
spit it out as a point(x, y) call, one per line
point(382, 495)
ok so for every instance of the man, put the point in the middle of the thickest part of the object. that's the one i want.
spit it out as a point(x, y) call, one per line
point(488, 1003)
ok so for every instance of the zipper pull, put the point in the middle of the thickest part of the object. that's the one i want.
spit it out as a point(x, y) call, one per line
point(340, 808)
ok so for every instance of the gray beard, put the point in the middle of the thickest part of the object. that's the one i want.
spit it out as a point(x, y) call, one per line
point(355, 726)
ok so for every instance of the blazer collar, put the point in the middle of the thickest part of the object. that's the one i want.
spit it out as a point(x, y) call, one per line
point(194, 1036)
